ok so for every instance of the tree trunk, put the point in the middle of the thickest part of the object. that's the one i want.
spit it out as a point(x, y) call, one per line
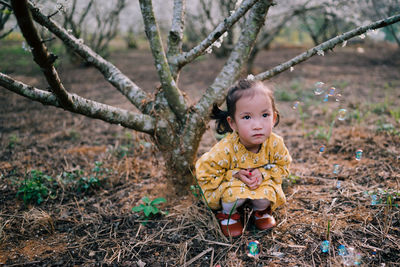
point(178, 144)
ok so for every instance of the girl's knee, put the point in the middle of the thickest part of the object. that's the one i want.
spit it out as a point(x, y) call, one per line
point(260, 204)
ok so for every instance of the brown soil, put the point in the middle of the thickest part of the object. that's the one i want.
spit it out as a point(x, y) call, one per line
point(98, 227)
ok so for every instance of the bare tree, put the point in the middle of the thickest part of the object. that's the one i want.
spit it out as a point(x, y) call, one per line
point(5, 13)
point(175, 126)
point(281, 19)
point(388, 9)
point(105, 26)
point(207, 17)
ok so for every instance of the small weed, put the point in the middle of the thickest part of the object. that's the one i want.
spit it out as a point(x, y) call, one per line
point(74, 135)
point(149, 208)
point(290, 180)
point(388, 128)
point(389, 197)
point(34, 188)
point(13, 141)
point(88, 183)
point(290, 92)
point(81, 183)
point(196, 191)
point(94, 181)
point(340, 84)
point(358, 115)
point(395, 113)
point(71, 177)
point(285, 95)
point(379, 108)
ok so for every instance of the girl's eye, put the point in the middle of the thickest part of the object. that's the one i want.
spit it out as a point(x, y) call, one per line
point(247, 117)
point(265, 115)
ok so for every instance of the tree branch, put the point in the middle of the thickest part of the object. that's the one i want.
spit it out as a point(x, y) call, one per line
point(239, 55)
point(176, 32)
point(8, 32)
point(128, 88)
point(330, 44)
point(4, 3)
point(40, 54)
point(173, 95)
point(185, 58)
point(80, 105)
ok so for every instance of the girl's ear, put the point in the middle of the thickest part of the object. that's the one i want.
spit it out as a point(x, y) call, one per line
point(232, 123)
point(275, 117)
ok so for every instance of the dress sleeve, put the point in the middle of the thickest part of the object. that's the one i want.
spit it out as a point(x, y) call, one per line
point(280, 160)
point(213, 168)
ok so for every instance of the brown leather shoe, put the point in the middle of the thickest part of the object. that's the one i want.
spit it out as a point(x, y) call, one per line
point(264, 223)
point(233, 230)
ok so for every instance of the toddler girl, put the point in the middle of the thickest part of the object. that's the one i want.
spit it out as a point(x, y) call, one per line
point(249, 163)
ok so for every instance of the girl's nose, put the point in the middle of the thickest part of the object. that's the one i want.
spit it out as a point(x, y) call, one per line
point(257, 124)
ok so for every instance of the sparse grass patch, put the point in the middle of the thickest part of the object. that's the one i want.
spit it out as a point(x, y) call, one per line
point(395, 113)
point(387, 127)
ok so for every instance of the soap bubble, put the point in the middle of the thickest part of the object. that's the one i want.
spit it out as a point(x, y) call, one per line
point(26, 47)
point(253, 249)
point(338, 96)
point(319, 88)
point(373, 253)
point(342, 114)
point(321, 149)
point(359, 153)
point(336, 168)
point(338, 184)
point(342, 251)
point(352, 258)
point(374, 200)
point(326, 98)
point(331, 91)
point(296, 105)
point(325, 246)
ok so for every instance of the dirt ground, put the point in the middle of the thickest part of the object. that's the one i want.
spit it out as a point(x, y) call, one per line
point(97, 227)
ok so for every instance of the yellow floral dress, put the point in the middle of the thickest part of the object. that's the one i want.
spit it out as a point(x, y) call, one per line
point(215, 170)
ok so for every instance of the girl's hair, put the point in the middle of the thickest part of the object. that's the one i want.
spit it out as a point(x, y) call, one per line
point(240, 89)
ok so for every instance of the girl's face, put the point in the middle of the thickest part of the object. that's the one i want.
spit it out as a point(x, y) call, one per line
point(253, 119)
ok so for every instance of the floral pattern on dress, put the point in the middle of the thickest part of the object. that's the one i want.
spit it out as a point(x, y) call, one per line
point(215, 169)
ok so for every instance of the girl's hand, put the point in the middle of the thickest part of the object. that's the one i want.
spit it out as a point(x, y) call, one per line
point(256, 176)
point(251, 177)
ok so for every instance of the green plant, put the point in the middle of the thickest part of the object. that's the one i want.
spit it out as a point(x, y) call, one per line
point(389, 197)
point(149, 208)
point(380, 108)
point(195, 191)
point(323, 133)
point(387, 127)
point(358, 115)
point(290, 180)
point(94, 181)
point(87, 183)
point(74, 135)
point(13, 141)
point(395, 113)
point(293, 178)
point(328, 230)
point(285, 95)
point(34, 188)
